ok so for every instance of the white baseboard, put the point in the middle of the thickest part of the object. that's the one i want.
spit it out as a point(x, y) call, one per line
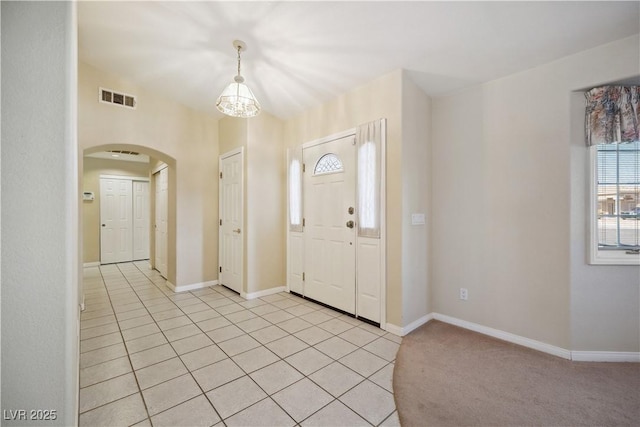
point(393, 329)
point(91, 264)
point(260, 294)
point(605, 356)
point(505, 336)
point(402, 331)
point(191, 287)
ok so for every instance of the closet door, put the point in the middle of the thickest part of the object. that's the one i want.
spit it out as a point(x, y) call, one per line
point(116, 220)
point(140, 220)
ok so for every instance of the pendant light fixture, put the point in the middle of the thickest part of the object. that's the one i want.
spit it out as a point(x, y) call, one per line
point(237, 100)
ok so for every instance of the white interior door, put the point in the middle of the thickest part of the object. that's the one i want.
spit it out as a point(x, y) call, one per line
point(140, 220)
point(329, 203)
point(116, 244)
point(161, 220)
point(231, 221)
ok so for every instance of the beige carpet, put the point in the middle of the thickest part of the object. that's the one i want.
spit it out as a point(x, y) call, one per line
point(449, 376)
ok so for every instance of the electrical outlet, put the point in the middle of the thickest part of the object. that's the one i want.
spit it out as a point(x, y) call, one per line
point(464, 294)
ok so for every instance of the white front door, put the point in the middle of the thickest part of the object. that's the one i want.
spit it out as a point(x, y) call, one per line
point(231, 221)
point(329, 203)
point(161, 216)
point(140, 220)
point(115, 220)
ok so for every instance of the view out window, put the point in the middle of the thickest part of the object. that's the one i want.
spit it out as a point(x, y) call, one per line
point(613, 135)
point(618, 196)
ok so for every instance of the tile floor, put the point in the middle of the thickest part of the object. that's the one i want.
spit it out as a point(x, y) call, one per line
point(208, 357)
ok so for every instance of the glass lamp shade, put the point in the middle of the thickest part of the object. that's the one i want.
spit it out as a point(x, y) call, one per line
point(237, 100)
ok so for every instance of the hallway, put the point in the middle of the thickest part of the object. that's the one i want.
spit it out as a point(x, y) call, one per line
point(209, 357)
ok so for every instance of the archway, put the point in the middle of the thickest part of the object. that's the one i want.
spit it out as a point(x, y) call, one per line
point(89, 224)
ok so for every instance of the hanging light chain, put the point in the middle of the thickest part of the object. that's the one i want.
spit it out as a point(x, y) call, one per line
point(239, 48)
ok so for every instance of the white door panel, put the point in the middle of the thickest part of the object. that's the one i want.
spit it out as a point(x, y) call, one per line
point(140, 220)
point(231, 229)
point(329, 242)
point(296, 262)
point(116, 219)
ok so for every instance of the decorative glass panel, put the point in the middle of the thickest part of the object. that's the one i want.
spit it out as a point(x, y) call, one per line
point(369, 139)
point(327, 164)
point(295, 189)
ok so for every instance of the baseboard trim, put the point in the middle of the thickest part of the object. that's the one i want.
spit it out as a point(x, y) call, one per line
point(505, 336)
point(91, 264)
point(264, 293)
point(191, 287)
point(402, 331)
point(605, 356)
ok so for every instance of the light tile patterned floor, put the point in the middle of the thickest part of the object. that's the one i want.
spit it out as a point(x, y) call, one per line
point(209, 357)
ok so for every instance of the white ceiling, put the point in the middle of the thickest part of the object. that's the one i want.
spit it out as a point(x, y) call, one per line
point(302, 53)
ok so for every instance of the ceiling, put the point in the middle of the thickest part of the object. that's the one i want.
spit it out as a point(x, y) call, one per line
point(117, 155)
point(303, 53)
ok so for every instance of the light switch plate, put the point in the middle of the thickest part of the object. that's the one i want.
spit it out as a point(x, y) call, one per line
point(417, 219)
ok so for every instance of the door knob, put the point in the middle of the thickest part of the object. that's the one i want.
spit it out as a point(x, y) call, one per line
point(237, 230)
point(350, 210)
point(104, 225)
point(350, 224)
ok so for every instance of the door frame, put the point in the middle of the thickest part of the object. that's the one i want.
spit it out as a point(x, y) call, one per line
point(383, 218)
point(153, 215)
point(126, 178)
point(235, 151)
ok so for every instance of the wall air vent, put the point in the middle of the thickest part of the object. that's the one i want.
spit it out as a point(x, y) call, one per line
point(109, 96)
point(133, 153)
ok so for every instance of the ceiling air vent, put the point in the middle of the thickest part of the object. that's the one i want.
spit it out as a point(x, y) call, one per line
point(109, 96)
point(133, 153)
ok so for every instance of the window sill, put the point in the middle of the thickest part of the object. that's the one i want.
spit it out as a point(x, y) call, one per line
point(613, 257)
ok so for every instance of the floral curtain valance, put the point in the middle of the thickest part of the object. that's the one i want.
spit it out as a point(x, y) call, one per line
point(613, 114)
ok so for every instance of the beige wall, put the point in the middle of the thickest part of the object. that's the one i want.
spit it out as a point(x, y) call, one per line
point(502, 148)
point(416, 194)
point(92, 169)
point(183, 138)
point(264, 197)
point(265, 208)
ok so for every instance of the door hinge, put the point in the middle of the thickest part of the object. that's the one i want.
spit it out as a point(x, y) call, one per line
point(220, 222)
point(220, 175)
point(303, 221)
point(303, 277)
point(220, 269)
point(303, 167)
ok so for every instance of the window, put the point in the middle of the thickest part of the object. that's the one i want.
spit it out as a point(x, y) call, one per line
point(329, 163)
point(613, 134)
point(616, 203)
point(295, 189)
point(369, 138)
point(295, 196)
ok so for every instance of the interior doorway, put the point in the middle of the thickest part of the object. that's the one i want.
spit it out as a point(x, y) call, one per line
point(161, 183)
point(137, 163)
point(231, 205)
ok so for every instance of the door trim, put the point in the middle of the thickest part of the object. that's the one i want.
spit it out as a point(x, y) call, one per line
point(131, 178)
point(235, 151)
point(333, 137)
point(154, 261)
